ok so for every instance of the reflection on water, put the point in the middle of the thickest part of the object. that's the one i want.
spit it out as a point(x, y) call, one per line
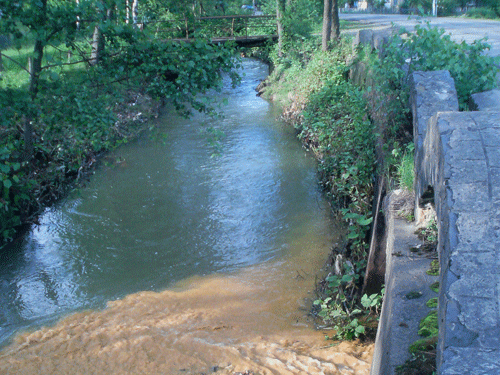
point(169, 215)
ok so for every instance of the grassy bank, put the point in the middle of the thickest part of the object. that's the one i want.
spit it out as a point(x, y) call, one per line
point(329, 114)
point(360, 132)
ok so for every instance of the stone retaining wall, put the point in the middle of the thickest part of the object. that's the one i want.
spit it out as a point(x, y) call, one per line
point(457, 164)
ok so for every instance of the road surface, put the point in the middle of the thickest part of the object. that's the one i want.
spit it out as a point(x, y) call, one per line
point(460, 29)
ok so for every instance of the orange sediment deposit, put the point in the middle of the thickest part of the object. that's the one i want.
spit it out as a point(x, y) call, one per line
point(254, 322)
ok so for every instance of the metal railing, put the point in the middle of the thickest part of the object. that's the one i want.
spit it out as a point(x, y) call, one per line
point(235, 26)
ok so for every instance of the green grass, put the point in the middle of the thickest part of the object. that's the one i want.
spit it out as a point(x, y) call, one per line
point(16, 61)
point(406, 171)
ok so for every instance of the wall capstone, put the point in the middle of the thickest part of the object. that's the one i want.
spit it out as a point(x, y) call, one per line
point(457, 154)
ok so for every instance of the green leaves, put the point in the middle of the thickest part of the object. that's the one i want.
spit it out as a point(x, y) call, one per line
point(176, 71)
point(429, 48)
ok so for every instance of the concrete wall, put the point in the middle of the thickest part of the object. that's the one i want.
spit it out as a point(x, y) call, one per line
point(457, 165)
point(458, 159)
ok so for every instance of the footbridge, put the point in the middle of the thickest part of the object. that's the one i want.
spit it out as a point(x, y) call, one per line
point(244, 30)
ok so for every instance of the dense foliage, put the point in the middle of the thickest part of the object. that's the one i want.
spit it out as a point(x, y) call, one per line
point(428, 48)
point(341, 123)
point(330, 115)
point(76, 79)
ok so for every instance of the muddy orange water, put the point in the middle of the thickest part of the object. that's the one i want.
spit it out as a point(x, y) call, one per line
point(193, 252)
point(254, 320)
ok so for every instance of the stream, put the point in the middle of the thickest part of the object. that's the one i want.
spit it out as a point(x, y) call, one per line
point(192, 253)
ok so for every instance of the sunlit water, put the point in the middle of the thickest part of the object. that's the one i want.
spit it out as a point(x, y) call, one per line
point(210, 261)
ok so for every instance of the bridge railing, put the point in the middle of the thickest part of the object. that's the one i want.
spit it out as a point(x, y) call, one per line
point(236, 26)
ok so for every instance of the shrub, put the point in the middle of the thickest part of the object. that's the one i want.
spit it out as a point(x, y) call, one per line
point(336, 126)
point(487, 13)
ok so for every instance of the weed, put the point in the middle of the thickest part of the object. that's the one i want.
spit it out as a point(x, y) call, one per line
point(405, 166)
point(434, 270)
point(435, 287)
point(432, 303)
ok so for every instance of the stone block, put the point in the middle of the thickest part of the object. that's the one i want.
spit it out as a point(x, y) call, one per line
point(473, 228)
point(458, 155)
point(490, 338)
point(491, 136)
point(471, 197)
point(461, 361)
point(466, 171)
point(479, 265)
point(486, 101)
point(430, 92)
point(364, 36)
point(493, 155)
point(478, 286)
point(453, 332)
point(466, 148)
point(494, 173)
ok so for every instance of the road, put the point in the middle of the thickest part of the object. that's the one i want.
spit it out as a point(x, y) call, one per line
point(460, 29)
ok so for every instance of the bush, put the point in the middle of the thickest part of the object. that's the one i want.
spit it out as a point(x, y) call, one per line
point(305, 69)
point(487, 13)
point(429, 48)
point(336, 126)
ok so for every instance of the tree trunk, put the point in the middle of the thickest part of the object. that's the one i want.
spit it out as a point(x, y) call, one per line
point(326, 32)
point(97, 37)
point(335, 34)
point(135, 12)
point(36, 67)
point(97, 46)
point(280, 12)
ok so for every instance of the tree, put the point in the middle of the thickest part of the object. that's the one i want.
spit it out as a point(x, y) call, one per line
point(45, 22)
point(280, 14)
point(326, 31)
point(331, 23)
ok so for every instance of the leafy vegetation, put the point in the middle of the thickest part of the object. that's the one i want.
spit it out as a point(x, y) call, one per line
point(483, 12)
point(341, 122)
point(79, 78)
point(330, 116)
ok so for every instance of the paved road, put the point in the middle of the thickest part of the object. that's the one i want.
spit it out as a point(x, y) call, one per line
point(459, 28)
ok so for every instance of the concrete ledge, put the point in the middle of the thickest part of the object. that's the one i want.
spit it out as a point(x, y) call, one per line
point(405, 273)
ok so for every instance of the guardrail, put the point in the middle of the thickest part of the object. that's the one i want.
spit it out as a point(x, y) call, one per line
point(235, 26)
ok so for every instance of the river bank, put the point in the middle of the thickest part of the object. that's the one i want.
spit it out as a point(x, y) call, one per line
point(49, 178)
point(182, 262)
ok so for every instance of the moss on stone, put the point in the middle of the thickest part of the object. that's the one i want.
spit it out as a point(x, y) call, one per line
point(432, 303)
point(435, 287)
point(413, 294)
point(434, 270)
point(428, 326)
point(423, 345)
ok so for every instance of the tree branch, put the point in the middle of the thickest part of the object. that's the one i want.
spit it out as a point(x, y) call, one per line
point(15, 62)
